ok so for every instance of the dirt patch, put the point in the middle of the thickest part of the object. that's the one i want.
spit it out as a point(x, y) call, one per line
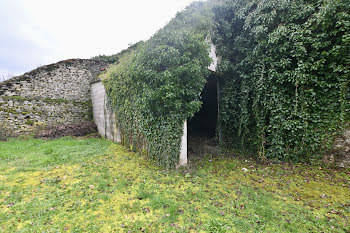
point(76, 129)
point(200, 146)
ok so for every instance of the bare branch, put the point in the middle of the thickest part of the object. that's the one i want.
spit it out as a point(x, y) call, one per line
point(5, 75)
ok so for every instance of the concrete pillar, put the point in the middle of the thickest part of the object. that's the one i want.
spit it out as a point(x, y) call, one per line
point(183, 148)
point(215, 59)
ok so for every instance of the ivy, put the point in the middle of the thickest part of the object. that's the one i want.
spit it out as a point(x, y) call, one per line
point(154, 88)
point(286, 72)
point(285, 69)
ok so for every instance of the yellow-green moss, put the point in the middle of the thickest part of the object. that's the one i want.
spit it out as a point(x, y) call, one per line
point(121, 191)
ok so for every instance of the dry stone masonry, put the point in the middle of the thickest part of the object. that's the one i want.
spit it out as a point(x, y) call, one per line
point(341, 152)
point(50, 95)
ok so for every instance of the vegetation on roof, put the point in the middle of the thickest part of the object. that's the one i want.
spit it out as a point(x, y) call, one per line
point(285, 67)
point(287, 75)
point(157, 86)
point(115, 57)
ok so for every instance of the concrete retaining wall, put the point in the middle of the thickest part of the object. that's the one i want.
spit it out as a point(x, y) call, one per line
point(107, 123)
point(103, 115)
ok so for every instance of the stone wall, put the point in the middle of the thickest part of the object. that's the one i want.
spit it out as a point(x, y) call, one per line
point(50, 95)
point(340, 155)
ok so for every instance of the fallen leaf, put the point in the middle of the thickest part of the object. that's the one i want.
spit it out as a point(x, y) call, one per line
point(10, 205)
point(146, 210)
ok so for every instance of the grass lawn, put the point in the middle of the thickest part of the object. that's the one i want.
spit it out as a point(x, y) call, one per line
point(92, 185)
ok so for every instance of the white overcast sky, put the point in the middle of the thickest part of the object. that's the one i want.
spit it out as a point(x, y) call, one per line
point(40, 32)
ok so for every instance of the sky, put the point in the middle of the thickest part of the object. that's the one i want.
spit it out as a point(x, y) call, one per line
point(40, 32)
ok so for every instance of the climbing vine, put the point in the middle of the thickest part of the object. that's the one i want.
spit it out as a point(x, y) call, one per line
point(154, 88)
point(286, 72)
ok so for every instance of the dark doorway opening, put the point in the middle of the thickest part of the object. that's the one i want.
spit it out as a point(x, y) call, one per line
point(202, 126)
